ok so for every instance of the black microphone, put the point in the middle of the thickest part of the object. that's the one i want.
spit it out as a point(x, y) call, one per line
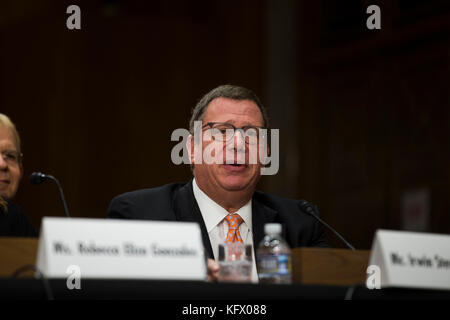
point(39, 177)
point(314, 211)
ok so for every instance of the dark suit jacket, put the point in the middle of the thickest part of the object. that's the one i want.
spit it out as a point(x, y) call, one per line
point(176, 202)
point(14, 223)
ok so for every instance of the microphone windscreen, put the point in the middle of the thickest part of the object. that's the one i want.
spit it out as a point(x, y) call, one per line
point(37, 178)
point(306, 206)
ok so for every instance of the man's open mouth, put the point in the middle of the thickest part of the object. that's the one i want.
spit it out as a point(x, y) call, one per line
point(234, 167)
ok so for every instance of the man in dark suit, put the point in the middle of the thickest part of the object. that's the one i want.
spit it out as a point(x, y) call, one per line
point(13, 223)
point(232, 121)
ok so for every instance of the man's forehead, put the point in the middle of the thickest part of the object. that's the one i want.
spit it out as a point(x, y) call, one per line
point(229, 110)
point(7, 139)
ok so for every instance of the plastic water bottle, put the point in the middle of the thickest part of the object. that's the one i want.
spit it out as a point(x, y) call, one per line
point(273, 256)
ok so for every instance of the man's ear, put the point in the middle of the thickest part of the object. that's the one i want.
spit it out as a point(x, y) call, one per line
point(263, 161)
point(190, 148)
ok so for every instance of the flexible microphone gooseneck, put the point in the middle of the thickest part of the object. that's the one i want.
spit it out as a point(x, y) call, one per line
point(39, 177)
point(314, 211)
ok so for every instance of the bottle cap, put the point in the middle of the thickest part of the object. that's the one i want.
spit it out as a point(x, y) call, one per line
point(272, 228)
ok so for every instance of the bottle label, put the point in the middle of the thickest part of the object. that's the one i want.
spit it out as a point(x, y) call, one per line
point(274, 264)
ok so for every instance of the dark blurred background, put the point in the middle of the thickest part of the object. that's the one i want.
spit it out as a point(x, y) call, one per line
point(364, 115)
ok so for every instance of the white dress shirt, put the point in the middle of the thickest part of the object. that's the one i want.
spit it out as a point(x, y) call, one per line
point(217, 227)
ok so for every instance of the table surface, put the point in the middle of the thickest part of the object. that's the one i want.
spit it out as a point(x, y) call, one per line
point(93, 289)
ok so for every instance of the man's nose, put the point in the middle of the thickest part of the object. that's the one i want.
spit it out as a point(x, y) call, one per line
point(239, 140)
point(3, 163)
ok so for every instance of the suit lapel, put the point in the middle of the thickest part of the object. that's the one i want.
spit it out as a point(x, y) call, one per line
point(261, 214)
point(186, 209)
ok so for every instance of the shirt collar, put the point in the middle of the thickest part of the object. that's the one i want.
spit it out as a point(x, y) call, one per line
point(213, 213)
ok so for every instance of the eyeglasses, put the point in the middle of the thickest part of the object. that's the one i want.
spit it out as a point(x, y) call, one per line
point(11, 157)
point(224, 132)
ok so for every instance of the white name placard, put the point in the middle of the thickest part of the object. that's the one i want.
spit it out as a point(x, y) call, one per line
point(104, 248)
point(412, 259)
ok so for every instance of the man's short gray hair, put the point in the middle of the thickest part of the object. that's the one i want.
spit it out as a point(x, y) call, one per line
point(230, 92)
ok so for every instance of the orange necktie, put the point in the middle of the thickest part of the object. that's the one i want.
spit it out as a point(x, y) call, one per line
point(233, 235)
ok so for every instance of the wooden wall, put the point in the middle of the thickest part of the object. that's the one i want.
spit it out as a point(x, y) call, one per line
point(377, 104)
point(367, 112)
point(96, 107)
